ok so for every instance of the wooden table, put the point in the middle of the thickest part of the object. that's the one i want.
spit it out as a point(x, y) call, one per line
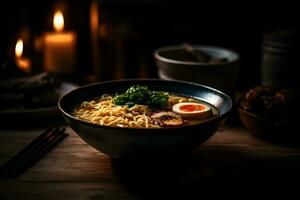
point(229, 163)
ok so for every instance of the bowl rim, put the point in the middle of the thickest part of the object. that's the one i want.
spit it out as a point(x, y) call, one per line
point(258, 117)
point(128, 128)
point(204, 47)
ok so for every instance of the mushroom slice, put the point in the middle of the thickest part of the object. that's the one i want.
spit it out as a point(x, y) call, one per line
point(167, 119)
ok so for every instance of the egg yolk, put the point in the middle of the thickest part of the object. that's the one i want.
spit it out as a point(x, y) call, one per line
point(191, 108)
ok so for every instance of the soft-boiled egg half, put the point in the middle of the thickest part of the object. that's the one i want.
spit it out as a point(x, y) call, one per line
point(192, 110)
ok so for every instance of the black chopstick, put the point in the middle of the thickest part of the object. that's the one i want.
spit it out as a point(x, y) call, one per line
point(32, 152)
point(28, 148)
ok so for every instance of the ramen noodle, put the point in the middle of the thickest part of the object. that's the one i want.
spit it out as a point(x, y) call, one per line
point(103, 111)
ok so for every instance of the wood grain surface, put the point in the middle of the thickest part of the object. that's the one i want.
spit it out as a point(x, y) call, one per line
point(229, 163)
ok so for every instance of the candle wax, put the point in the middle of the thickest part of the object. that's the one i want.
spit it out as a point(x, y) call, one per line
point(60, 52)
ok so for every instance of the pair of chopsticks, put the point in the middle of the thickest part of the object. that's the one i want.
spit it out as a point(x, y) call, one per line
point(32, 152)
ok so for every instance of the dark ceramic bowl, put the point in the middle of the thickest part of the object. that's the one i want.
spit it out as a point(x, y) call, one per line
point(260, 127)
point(257, 125)
point(119, 142)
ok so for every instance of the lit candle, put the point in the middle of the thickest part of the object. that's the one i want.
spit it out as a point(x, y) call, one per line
point(60, 48)
point(23, 63)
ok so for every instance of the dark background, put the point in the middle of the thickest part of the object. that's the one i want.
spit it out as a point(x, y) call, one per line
point(134, 29)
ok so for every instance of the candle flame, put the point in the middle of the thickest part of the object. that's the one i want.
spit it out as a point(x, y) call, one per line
point(19, 48)
point(23, 63)
point(58, 21)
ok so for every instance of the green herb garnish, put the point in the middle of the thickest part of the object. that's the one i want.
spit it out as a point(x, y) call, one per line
point(142, 95)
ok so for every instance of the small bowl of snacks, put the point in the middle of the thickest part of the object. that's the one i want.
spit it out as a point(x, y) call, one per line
point(268, 113)
point(145, 118)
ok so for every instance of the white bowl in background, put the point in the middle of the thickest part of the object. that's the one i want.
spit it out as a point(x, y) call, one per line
point(172, 64)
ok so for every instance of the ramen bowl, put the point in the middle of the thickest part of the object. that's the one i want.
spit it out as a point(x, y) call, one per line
point(127, 143)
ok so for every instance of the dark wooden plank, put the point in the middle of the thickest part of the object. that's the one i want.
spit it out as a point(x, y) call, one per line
point(232, 158)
